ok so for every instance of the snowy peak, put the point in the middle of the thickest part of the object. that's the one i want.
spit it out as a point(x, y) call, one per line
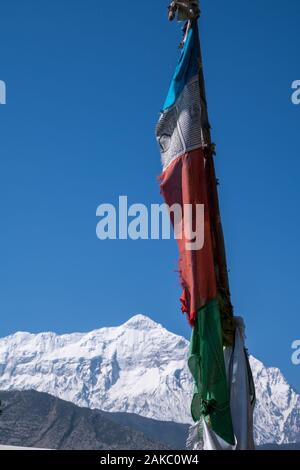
point(138, 367)
point(141, 322)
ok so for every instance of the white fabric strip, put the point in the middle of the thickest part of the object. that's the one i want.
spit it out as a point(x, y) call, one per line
point(240, 401)
point(179, 127)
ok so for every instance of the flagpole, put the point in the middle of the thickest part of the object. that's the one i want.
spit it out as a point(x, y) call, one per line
point(215, 215)
point(224, 396)
point(189, 10)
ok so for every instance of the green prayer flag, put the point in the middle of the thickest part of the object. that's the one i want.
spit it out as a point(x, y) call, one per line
point(211, 398)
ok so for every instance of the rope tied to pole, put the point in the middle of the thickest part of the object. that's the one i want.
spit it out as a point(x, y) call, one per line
point(187, 10)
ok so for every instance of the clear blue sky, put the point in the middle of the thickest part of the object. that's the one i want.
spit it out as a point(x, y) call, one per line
point(85, 84)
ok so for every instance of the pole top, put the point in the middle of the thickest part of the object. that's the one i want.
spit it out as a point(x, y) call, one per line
point(185, 10)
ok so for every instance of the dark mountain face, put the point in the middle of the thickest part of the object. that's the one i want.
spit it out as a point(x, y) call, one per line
point(174, 435)
point(33, 419)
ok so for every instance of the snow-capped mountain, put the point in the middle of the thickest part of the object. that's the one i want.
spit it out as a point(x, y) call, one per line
point(138, 367)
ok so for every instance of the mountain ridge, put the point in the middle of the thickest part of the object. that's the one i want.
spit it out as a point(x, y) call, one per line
point(138, 367)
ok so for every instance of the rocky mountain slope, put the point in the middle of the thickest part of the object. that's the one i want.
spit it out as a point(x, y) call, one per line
point(34, 419)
